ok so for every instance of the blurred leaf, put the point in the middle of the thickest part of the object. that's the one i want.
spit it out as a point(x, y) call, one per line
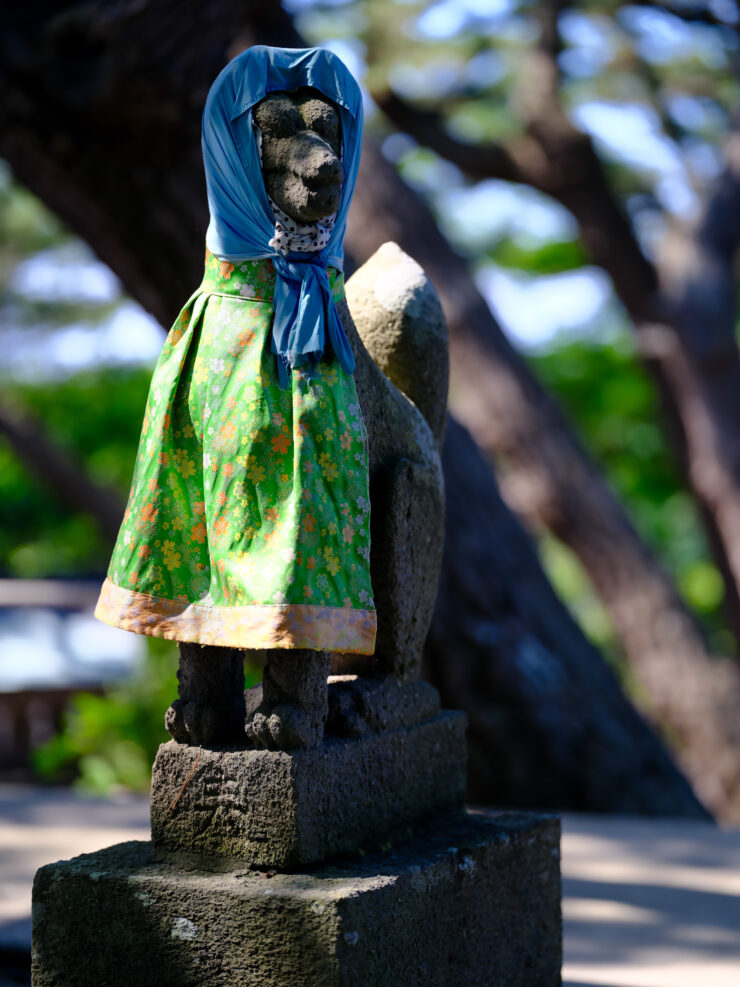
point(543, 258)
point(701, 584)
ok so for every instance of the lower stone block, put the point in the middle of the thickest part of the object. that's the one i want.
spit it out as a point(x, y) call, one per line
point(284, 809)
point(473, 901)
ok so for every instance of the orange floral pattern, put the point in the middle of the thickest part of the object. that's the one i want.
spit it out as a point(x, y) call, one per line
point(248, 522)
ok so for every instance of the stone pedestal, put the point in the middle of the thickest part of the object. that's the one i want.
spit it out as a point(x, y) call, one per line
point(471, 900)
point(284, 809)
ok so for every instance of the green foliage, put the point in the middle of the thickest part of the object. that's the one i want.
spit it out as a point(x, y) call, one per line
point(95, 415)
point(613, 405)
point(551, 257)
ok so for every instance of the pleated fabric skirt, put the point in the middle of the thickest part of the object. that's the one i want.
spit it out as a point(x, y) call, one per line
point(248, 521)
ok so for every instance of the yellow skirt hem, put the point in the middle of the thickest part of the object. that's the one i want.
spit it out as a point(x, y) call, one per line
point(257, 626)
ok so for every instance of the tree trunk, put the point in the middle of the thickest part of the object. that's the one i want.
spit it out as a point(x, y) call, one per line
point(560, 731)
point(684, 312)
point(101, 119)
point(552, 481)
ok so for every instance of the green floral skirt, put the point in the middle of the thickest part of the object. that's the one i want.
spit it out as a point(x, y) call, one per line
point(248, 522)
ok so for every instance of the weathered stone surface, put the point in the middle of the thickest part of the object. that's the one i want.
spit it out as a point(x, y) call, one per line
point(400, 320)
point(301, 153)
point(407, 499)
point(476, 902)
point(358, 704)
point(282, 809)
point(294, 704)
point(210, 704)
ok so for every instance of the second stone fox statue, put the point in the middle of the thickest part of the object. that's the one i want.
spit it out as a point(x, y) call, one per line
point(269, 432)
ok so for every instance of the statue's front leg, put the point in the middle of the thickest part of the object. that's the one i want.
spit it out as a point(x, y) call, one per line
point(295, 703)
point(210, 709)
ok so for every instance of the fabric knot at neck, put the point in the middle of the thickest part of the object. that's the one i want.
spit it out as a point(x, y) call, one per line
point(306, 317)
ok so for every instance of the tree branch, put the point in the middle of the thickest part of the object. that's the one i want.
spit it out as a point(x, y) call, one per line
point(562, 163)
point(428, 128)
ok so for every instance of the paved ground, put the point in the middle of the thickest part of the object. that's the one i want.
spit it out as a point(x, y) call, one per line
point(650, 903)
point(646, 903)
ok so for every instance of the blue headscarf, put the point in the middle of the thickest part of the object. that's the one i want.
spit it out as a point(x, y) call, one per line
point(242, 222)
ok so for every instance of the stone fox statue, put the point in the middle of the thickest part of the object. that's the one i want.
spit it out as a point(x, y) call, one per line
point(287, 497)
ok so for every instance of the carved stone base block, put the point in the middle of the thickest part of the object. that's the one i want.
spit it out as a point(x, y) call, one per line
point(279, 809)
point(471, 900)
